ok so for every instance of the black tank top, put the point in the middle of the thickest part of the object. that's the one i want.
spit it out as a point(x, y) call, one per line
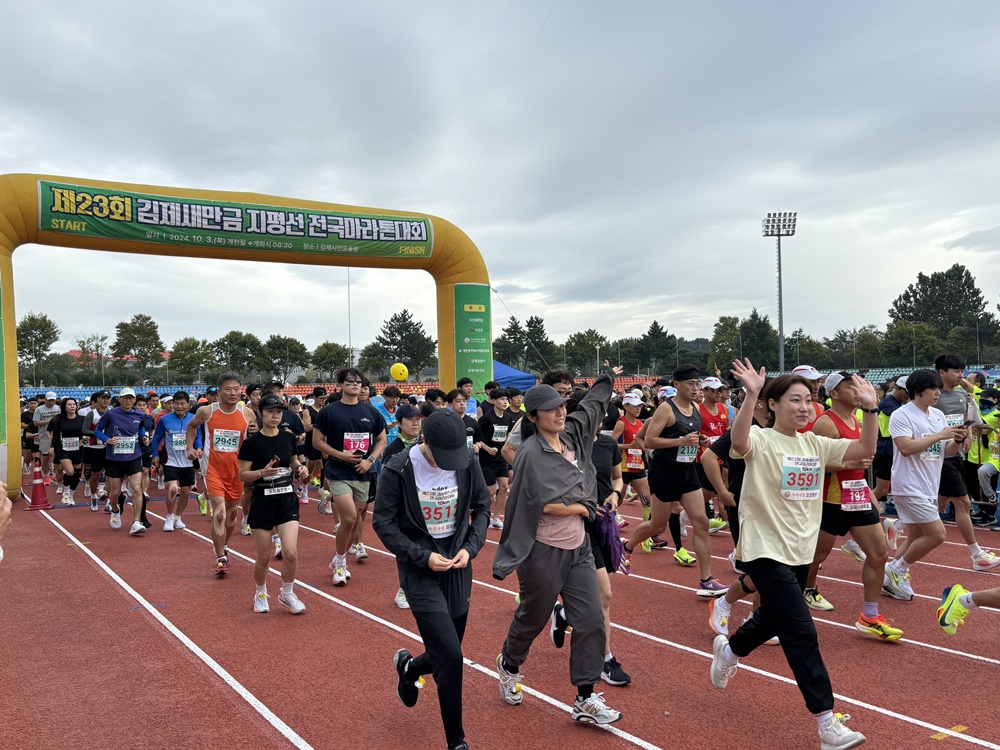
point(683, 425)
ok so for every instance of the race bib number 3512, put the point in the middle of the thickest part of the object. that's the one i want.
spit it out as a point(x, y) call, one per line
point(801, 478)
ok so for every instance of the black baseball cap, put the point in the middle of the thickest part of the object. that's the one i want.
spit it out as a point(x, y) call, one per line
point(270, 401)
point(274, 383)
point(319, 391)
point(103, 394)
point(444, 434)
point(406, 410)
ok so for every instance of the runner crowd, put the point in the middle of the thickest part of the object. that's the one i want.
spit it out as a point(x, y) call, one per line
point(788, 465)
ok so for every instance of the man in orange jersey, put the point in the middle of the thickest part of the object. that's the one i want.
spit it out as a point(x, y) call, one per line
point(227, 423)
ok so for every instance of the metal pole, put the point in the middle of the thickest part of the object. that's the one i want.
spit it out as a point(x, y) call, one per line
point(781, 315)
point(350, 344)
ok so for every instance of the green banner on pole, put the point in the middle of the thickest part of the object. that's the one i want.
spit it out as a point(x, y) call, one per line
point(171, 220)
point(473, 336)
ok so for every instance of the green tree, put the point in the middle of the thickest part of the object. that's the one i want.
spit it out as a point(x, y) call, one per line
point(510, 346)
point(582, 353)
point(856, 349)
point(760, 340)
point(36, 333)
point(57, 370)
point(944, 300)
point(402, 339)
point(138, 339)
point(658, 348)
point(909, 345)
point(282, 354)
point(541, 353)
point(375, 361)
point(726, 345)
point(191, 358)
point(805, 350)
point(92, 362)
point(330, 357)
point(625, 352)
point(239, 352)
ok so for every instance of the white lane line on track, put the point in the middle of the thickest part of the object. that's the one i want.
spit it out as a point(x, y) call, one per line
point(656, 639)
point(621, 734)
point(269, 716)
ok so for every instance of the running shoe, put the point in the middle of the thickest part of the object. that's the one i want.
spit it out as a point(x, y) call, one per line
point(732, 561)
point(613, 674)
point(496, 523)
point(59, 489)
point(711, 587)
point(510, 684)
point(95, 504)
point(260, 603)
point(716, 524)
point(897, 585)
point(245, 528)
point(657, 542)
point(721, 671)
point(990, 522)
point(168, 525)
point(557, 625)
point(324, 503)
point(620, 520)
point(203, 504)
point(86, 489)
point(116, 520)
point(68, 498)
point(685, 558)
point(401, 599)
point(137, 529)
point(341, 575)
point(107, 502)
point(159, 482)
point(315, 482)
point(407, 690)
point(815, 600)
point(877, 627)
point(178, 523)
point(276, 541)
point(48, 480)
point(304, 495)
point(718, 615)
point(593, 710)
point(646, 545)
point(951, 613)
point(985, 560)
point(221, 566)
point(294, 604)
point(853, 550)
point(353, 549)
point(625, 564)
point(893, 530)
point(360, 552)
point(834, 735)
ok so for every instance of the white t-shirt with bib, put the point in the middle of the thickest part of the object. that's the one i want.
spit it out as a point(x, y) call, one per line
point(918, 475)
point(437, 490)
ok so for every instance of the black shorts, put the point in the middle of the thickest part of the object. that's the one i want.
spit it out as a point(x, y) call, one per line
point(492, 471)
point(147, 460)
point(670, 484)
point(882, 465)
point(602, 555)
point(311, 453)
point(268, 511)
point(703, 479)
point(95, 458)
point(122, 469)
point(76, 457)
point(838, 522)
point(631, 476)
point(183, 475)
point(952, 482)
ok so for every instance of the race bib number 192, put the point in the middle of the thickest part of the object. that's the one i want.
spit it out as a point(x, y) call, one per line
point(801, 478)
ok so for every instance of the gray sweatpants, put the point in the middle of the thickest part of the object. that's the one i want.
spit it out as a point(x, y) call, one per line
point(546, 573)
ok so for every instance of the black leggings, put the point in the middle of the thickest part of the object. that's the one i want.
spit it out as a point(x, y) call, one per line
point(733, 513)
point(442, 638)
point(674, 524)
point(72, 481)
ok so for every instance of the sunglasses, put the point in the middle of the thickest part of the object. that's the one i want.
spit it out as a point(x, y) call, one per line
point(351, 380)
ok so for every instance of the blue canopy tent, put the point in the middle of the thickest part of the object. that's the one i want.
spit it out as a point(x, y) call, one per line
point(508, 376)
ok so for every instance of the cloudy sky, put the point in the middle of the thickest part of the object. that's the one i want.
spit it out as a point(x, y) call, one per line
point(631, 150)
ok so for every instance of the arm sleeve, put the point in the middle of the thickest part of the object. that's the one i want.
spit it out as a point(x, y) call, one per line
point(389, 499)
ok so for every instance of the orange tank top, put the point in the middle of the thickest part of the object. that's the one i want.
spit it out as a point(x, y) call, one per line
point(224, 435)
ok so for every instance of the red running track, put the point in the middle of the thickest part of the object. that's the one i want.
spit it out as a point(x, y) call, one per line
point(87, 665)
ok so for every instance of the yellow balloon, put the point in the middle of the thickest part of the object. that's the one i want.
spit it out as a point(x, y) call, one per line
point(399, 372)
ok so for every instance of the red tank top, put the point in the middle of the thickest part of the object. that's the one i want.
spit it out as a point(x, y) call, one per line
point(635, 460)
point(834, 488)
point(713, 426)
point(818, 408)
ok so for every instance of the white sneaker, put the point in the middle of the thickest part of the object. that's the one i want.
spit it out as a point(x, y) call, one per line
point(260, 603)
point(732, 561)
point(361, 553)
point(496, 523)
point(401, 599)
point(510, 684)
point(68, 498)
point(341, 575)
point(593, 710)
point(94, 504)
point(853, 550)
point(684, 523)
point(985, 560)
point(352, 550)
point(718, 615)
point(137, 529)
point(836, 736)
point(116, 520)
point(86, 489)
point(168, 525)
point(178, 523)
point(721, 670)
point(245, 530)
point(324, 503)
point(159, 483)
point(294, 604)
point(896, 584)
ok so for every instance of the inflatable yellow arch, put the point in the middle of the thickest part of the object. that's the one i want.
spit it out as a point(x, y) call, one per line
point(152, 220)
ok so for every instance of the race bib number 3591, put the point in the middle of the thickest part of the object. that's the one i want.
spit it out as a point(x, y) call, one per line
point(801, 478)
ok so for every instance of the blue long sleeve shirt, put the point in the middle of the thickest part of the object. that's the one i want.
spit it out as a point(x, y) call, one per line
point(127, 425)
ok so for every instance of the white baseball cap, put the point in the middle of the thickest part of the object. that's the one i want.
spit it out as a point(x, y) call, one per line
point(807, 371)
point(901, 382)
point(667, 391)
point(632, 400)
point(835, 379)
point(51, 396)
point(712, 383)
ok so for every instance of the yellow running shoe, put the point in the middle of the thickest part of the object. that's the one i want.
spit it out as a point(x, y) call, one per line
point(646, 546)
point(951, 613)
point(877, 627)
point(203, 504)
point(685, 558)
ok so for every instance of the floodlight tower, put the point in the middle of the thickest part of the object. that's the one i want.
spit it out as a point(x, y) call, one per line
point(780, 225)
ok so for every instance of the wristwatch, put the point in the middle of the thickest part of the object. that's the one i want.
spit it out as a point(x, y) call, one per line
point(870, 411)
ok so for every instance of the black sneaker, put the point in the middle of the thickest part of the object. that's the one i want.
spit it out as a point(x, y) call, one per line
point(984, 520)
point(459, 746)
point(613, 674)
point(406, 690)
point(557, 625)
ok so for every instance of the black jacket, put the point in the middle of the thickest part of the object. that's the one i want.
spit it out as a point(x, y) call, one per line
point(399, 523)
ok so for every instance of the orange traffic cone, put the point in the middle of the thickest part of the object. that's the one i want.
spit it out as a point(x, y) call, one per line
point(38, 499)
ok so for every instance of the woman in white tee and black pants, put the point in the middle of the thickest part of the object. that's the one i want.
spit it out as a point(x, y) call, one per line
point(781, 507)
point(431, 511)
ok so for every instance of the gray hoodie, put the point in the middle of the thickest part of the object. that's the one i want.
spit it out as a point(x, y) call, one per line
point(542, 476)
